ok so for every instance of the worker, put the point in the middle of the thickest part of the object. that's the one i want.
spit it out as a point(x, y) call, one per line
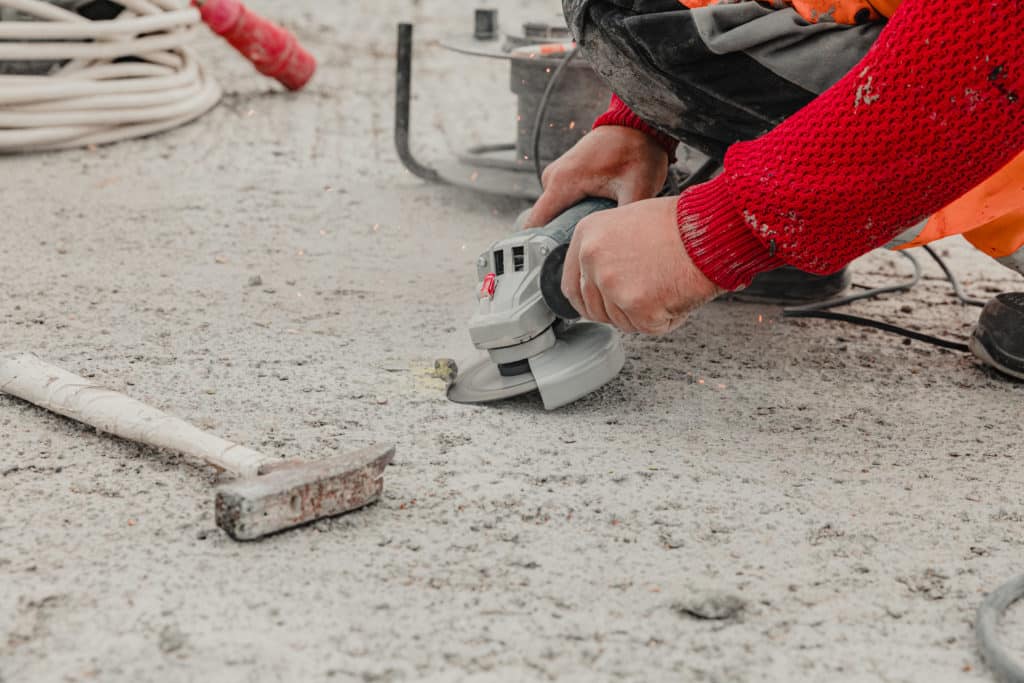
point(845, 125)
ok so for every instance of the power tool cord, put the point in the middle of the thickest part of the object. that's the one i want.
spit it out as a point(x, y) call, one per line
point(957, 289)
point(820, 309)
point(868, 294)
point(879, 325)
point(120, 78)
point(542, 109)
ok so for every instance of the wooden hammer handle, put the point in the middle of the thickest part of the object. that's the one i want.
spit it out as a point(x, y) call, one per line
point(24, 375)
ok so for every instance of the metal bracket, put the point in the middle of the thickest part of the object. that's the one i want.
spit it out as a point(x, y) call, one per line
point(403, 99)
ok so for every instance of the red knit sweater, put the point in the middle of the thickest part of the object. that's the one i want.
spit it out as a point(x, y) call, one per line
point(931, 111)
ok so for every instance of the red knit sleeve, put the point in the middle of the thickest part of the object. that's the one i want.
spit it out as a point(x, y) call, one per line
point(619, 114)
point(932, 110)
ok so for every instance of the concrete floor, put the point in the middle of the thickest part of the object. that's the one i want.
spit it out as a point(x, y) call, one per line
point(858, 495)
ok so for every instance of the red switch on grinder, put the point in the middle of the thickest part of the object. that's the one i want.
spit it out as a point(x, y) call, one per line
point(488, 286)
point(273, 51)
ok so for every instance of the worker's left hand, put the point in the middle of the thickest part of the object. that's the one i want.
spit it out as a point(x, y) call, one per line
point(628, 267)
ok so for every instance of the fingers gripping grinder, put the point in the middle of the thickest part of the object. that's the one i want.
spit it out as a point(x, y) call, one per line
point(527, 326)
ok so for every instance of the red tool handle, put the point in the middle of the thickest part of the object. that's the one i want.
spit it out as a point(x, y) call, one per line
point(274, 51)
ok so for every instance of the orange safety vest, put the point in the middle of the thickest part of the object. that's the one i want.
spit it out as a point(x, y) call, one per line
point(840, 11)
point(990, 216)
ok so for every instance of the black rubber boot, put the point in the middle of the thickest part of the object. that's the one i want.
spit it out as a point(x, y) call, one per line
point(788, 286)
point(998, 339)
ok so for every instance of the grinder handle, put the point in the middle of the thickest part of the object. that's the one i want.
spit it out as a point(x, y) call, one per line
point(561, 230)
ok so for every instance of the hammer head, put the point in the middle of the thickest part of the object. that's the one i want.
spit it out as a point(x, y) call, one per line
point(302, 492)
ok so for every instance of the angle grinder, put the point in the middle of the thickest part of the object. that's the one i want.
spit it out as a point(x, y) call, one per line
point(528, 329)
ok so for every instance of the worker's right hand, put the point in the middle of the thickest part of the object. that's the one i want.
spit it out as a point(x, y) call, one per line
point(614, 162)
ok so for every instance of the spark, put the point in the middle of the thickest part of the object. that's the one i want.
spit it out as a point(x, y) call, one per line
point(376, 227)
point(300, 252)
point(572, 124)
point(760, 318)
point(700, 381)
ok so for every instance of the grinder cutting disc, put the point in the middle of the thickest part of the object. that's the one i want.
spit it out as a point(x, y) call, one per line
point(482, 382)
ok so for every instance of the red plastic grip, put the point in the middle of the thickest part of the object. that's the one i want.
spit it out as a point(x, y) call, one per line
point(273, 51)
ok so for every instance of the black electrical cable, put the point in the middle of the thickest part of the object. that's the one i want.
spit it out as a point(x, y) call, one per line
point(957, 289)
point(818, 310)
point(793, 311)
point(542, 109)
point(878, 325)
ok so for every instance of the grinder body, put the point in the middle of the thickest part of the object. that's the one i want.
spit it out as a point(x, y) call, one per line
point(526, 326)
point(520, 296)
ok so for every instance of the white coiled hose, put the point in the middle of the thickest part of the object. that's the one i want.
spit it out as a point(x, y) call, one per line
point(121, 78)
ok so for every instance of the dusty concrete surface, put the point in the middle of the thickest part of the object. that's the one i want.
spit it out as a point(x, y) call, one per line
point(852, 497)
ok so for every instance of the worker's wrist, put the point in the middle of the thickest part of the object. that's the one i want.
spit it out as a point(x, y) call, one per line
point(720, 243)
point(619, 114)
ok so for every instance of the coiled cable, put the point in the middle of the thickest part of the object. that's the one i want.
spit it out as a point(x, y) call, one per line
point(121, 78)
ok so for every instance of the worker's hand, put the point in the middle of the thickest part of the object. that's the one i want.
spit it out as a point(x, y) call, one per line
point(628, 267)
point(613, 162)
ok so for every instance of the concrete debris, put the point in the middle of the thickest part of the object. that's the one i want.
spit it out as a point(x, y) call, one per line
point(713, 605)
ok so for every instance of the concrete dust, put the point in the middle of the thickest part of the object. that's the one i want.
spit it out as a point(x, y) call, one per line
point(856, 494)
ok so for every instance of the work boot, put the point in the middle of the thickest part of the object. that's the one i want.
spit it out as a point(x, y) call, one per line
point(998, 340)
point(788, 286)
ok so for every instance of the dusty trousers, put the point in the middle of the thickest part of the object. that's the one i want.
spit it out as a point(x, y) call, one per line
point(715, 75)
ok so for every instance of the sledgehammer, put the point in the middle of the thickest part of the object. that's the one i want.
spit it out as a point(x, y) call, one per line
point(270, 495)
